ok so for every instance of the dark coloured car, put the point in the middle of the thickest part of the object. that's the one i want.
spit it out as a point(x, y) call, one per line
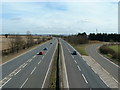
point(45, 48)
point(50, 43)
point(74, 53)
point(40, 53)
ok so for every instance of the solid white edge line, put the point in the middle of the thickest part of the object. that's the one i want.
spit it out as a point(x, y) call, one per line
point(24, 53)
point(48, 68)
point(5, 82)
point(106, 58)
point(85, 78)
point(33, 70)
point(64, 66)
point(24, 83)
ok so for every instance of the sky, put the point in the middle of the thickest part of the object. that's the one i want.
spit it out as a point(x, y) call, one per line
point(59, 17)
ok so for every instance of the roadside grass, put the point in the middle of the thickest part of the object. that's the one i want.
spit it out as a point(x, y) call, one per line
point(13, 55)
point(81, 47)
point(52, 80)
point(115, 47)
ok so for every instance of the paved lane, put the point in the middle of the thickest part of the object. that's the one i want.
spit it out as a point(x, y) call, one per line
point(106, 64)
point(80, 75)
point(32, 70)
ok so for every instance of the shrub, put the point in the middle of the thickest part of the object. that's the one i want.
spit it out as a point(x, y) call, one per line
point(106, 50)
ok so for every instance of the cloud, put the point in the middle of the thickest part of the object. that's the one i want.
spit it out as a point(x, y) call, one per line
point(59, 17)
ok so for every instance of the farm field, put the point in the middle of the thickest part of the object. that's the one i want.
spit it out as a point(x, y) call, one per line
point(4, 42)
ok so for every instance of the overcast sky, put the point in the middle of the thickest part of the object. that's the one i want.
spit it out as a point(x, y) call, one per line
point(59, 17)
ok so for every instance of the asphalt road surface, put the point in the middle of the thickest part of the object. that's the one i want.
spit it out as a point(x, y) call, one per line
point(29, 70)
point(104, 62)
point(80, 75)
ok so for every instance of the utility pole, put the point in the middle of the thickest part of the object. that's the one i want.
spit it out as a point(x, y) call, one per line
point(96, 30)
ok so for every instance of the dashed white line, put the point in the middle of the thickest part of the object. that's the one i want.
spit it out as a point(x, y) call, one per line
point(72, 56)
point(45, 53)
point(79, 68)
point(34, 56)
point(17, 72)
point(42, 57)
point(30, 60)
point(5, 82)
point(24, 83)
point(39, 62)
point(33, 70)
point(24, 65)
point(75, 61)
point(84, 78)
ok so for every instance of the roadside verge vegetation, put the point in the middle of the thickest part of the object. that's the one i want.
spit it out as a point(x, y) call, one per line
point(111, 51)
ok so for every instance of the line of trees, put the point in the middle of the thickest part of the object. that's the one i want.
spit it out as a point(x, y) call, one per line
point(80, 38)
point(18, 42)
point(104, 37)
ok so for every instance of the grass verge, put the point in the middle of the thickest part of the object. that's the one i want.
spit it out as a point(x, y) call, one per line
point(113, 56)
point(52, 80)
point(81, 49)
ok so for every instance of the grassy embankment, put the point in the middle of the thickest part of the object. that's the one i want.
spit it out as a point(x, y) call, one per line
point(81, 47)
point(52, 80)
point(112, 52)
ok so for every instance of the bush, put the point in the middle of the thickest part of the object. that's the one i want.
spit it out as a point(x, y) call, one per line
point(106, 50)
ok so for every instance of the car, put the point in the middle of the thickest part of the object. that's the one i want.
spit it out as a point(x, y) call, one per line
point(74, 53)
point(50, 43)
point(40, 53)
point(45, 48)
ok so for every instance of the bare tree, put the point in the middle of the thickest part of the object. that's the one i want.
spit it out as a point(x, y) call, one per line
point(16, 43)
point(29, 39)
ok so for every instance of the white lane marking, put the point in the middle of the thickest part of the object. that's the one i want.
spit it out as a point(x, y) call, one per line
point(30, 60)
point(24, 65)
point(115, 80)
point(33, 70)
point(84, 78)
point(42, 57)
point(5, 82)
point(34, 56)
point(72, 56)
point(104, 81)
point(79, 68)
point(63, 60)
point(39, 62)
point(49, 68)
point(75, 61)
point(45, 53)
point(24, 83)
point(17, 72)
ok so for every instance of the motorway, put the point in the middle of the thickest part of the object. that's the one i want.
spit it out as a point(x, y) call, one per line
point(79, 74)
point(29, 70)
point(112, 68)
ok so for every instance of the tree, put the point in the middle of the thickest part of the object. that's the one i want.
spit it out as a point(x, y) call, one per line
point(6, 35)
point(29, 39)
